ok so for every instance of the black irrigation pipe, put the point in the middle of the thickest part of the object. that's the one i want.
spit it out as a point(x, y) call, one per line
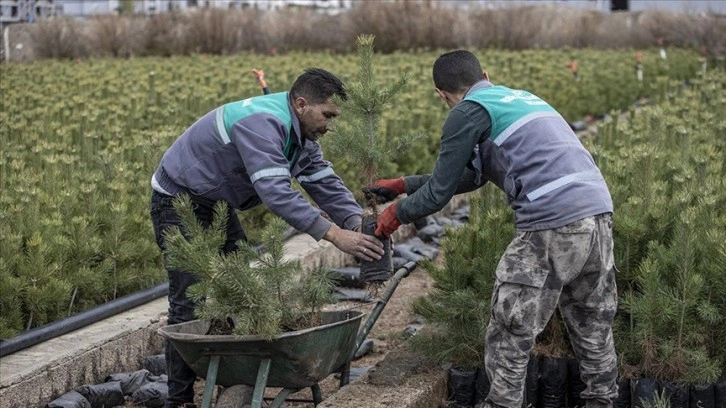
point(61, 327)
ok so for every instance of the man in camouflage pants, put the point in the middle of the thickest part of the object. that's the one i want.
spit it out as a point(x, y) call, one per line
point(570, 266)
point(562, 255)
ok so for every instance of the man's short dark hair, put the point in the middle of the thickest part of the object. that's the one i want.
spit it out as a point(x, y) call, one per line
point(317, 86)
point(457, 71)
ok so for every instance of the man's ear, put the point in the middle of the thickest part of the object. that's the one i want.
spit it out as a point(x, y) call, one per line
point(442, 94)
point(486, 75)
point(300, 104)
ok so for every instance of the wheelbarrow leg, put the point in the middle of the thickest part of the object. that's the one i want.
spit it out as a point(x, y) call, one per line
point(261, 383)
point(345, 374)
point(317, 393)
point(281, 396)
point(210, 381)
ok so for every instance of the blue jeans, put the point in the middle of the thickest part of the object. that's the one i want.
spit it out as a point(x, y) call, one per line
point(181, 309)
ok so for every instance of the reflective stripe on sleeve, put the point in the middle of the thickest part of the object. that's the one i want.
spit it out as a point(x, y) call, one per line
point(157, 187)
point(328, 171)
point(219, 122)
point(270, 172)
point(562, 181)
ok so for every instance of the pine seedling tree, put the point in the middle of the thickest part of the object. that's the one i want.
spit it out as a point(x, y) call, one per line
point(363, 143)
point(11, 286)
point(11, 313)
point(457, 309)
point(244, 292)
point(44, 292)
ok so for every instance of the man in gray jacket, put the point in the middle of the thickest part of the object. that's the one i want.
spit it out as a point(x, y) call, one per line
point(562, 254)
point(245, 153)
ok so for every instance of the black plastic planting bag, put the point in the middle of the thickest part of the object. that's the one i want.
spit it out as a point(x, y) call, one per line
point(132, 381)
point(643, 391)
point(430, 233)
point(161, 378)
point(624, 399)
point(406, 251)
point(461, 214)
point(71, 399)
point(703, 396)
point(426, 250)
point(677, 393)
point(348, 277)
point(152, 395)
point(482, 385)
point(362, 295)
point(155, 364)
point(575, 385)
point(381, 270)
point(365, 348)
point(531, 383)
point(720, 392)
point(103, 395)
point(462, 382)
point(421, 223)
point(399, 262)
point(553, 382)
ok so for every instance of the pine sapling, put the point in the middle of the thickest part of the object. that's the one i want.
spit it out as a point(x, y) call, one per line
point(364, 144)
point(244, 291)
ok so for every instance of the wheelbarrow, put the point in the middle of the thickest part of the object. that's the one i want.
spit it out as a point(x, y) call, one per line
point(291, 361)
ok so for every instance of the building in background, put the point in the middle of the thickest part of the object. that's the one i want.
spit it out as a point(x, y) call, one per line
point(16, 11)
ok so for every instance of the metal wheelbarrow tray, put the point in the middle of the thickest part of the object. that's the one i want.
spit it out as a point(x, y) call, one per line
point(292, 360)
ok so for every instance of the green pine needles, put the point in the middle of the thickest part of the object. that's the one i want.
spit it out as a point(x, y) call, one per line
point(457, 309)
point(361, 139)
point(262, 293)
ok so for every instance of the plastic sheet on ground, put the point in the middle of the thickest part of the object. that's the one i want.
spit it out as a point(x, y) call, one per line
point(71, 399)
point(156, 364)
point(108, 394)
point(131, 381)
point(152, 395)
point(348, 277)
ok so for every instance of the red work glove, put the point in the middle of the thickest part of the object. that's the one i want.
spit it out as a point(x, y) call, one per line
point(385, 190)
point(387, 222)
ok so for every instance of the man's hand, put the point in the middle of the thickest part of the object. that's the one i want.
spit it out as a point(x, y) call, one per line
point(362, 246)
point(388, 221)
point(260, 74)
point(385, 190)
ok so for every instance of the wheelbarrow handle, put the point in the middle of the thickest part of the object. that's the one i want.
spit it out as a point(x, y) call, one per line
point(409, 266)
point(390, 288)
point(376, 312)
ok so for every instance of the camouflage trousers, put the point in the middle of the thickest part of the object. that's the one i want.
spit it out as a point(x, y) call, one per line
point(569, 267)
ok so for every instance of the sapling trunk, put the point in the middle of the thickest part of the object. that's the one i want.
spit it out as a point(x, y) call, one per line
point(30, 321)
point(73, 300)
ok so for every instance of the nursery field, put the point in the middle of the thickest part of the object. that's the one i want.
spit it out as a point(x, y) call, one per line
point(81, 139)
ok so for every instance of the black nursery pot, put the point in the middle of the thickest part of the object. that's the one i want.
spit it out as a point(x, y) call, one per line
point(382, 269)
point(462, 386)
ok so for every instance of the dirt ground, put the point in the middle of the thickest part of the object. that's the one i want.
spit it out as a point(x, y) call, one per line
point(387, 333)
